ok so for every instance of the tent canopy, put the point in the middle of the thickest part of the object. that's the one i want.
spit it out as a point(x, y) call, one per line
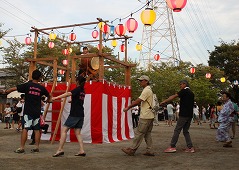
point(14, 94)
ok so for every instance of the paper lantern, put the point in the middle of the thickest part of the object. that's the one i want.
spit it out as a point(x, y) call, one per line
point(122, 48)
point(101, 25)
point(192, 70)
point(156, 57)
point(72, 36)
point(120, 30)
point(105, 36)
point(51, 44)
point(61, 72)
point(138, 47)
point(208, 75)
point(235, 82)
point(106, 29)
point(28, 41)
point(70, 50)
point(98, 46)
point(176, 5)
point(65, 52)
point(0, 42)
point(95, 34)
point(112, 30)
point(114, 43)
point(148, 16)
point(52, 36)
point(223, 79)
point(65, 62)
point(131, 25)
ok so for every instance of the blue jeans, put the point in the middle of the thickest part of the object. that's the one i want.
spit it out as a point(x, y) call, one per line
point(182, 123)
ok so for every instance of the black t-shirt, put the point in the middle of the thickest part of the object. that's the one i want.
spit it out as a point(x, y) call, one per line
point(186, 102)
point(77, 108)
point(33, 94)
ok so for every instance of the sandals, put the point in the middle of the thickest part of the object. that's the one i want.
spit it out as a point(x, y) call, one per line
point(34, 150)
point(228, 144)
point(58, 154)
point(80, 154)
point(19, 150)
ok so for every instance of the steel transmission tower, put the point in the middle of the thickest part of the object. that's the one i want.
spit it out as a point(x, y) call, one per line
point(160, 38)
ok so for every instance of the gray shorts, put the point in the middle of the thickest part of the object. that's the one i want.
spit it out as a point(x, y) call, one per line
point(74, 122)
point(170, 117)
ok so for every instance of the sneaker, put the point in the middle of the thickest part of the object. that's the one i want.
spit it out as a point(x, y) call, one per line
point(19, 150)
point(34, 150)
point(170, 150)
point(17, 129)
point(189, 150)
point(129, 151)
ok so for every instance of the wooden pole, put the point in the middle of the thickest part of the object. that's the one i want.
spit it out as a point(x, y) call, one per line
point(60, 114)
point(48, 104)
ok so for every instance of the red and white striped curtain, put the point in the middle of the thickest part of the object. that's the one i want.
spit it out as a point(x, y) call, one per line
point(104, 120)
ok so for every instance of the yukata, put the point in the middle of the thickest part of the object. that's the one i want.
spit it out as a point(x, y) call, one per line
point(224, 123)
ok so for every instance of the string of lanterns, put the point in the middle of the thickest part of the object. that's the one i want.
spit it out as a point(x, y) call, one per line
point(148, 17)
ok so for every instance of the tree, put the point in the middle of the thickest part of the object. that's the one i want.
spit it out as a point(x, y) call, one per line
point(226, 58)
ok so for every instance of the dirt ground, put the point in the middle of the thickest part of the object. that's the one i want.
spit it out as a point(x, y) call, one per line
point(209, 153)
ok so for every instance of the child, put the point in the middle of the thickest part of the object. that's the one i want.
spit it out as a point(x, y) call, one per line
point(8, 112)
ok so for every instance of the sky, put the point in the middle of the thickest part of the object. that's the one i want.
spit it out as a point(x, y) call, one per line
point(199, 27)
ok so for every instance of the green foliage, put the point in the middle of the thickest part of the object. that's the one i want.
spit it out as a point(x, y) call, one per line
point(226, 58)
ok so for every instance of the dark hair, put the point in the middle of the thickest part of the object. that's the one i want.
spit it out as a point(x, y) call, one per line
point(81, 80)
point(184, 82)
point(85, 48)
point(227, 94)
point(36, 75)
point(22, 96)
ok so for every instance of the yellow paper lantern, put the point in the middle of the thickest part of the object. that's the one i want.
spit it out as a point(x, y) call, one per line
point(148, 16)
point(114, 43)
point(70, 50)
point(101, 25)
point(0, 42)
point(138, 47)
point(223, 79)
point(52, 36)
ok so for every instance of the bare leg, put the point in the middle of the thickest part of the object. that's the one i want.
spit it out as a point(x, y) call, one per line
point(80, 141)
point(23, 138)
point(37, 138)
point(63, 138)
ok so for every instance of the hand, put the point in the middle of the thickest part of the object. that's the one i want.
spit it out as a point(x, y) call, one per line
point(126, 109)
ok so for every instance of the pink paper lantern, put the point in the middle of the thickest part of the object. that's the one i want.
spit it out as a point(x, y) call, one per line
point(208, 75)
point(65, 62)
point(176, 5)
point(28, 41)
point(122, 48)
point(51, 44)
point(156, 57)
point(95, 34)
point(61, 72)
point(192, 70)
point(120, 30)
point(65, 52)
point(72, 36)
point(131, 25)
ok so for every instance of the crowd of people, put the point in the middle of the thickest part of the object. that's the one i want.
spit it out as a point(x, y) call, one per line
point(180, 115)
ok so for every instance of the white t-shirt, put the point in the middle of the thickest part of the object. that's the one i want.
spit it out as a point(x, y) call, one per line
point(8, 110)
point(196, 110)
point(170, 109)
point(20, 104)
point(135, 110)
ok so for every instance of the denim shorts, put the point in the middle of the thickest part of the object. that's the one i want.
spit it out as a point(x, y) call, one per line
point(74, 122)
